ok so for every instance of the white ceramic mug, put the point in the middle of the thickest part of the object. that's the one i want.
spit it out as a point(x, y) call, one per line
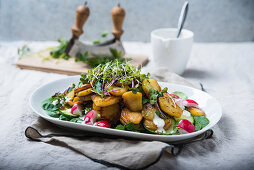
point(171, 52)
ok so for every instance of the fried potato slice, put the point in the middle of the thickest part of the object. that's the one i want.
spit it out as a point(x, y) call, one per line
point(71, 95)
point(96, 108)
point(129, 116)
point(119, 92)
point(149, 125)
point(110, 113)
point(84, 87)
point(133, 101)
point(85, 92)
point(103, 102)
point(168, 106)
point(168, 123)
point(196, 112)
point(148, 84)
point(148, 111)
point(82, 98)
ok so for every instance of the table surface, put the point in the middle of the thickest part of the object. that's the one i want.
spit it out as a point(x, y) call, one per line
point(225, 70)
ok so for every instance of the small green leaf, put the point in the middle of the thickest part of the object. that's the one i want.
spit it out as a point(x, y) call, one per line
point(76, 120)
point(120, 127)
point(134, 91)
point(130, 126)
point(53, 114)
point(200, 122)
point(98, 87)
point(144, 100)
point(104, 34)
point(115, 53)
point(62, 117)
point(96, 42)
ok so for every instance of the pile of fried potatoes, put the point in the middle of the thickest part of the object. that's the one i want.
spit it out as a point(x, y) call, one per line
point(125, 106)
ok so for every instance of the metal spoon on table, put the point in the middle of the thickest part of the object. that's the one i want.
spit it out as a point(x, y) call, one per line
point(182, 18)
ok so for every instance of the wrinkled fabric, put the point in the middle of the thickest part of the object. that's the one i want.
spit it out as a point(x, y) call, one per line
point(225, 70)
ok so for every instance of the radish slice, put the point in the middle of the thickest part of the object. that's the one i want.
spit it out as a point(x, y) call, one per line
point(180, 103)
point(185, 126)
point(91, 117)
point(186, 103)
point(102, 123)
point(190, 103)
point(174, 96)
point(76, 109)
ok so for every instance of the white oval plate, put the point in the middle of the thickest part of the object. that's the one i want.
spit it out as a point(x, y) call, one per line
point(209, 104)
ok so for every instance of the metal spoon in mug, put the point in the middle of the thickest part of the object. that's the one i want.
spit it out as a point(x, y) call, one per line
point(182, 18)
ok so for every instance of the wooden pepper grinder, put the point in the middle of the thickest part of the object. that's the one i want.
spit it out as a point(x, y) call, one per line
point(82, 14)
point(118, 15)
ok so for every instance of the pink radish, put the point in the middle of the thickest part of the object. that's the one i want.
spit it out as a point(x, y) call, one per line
point(174, 96)
point(186, 103)
point(186, 126)
point(76, 109)
point(190, 103)
point(91, 117)
point(102, 123)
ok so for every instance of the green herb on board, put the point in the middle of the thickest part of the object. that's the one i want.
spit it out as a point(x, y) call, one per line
point(23, 51)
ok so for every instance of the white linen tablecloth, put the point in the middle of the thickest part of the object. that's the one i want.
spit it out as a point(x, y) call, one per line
point(225, 70)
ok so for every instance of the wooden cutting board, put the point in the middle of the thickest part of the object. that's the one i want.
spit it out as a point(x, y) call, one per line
point(36, 61)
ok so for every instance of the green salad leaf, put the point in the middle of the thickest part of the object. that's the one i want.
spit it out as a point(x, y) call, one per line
point(76, 120)
point(180, 94)
point(62, 117)
point(53, 114)
point(52, 110)
point(120, 127)
point(200, 122)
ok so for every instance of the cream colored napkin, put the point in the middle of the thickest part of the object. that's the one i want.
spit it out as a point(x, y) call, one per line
point(105, 149)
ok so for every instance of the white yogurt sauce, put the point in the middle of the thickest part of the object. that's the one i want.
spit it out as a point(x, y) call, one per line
point(55, 102)
point(159, 122)
point(186, 113)
point(67, 99)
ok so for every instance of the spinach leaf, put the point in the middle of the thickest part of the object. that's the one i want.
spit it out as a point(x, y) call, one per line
point(180, 94)
point(48, 106)
point(76, 120)
point(200, 122)
point(120, 127)
point(52, 110)
point(62, 117)
point(130, 126)
point(53, 114)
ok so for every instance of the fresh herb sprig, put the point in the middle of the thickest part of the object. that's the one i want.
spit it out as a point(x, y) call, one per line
point(154, 94)
point(97, 59)
point(24, 50)
point(59, 51)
